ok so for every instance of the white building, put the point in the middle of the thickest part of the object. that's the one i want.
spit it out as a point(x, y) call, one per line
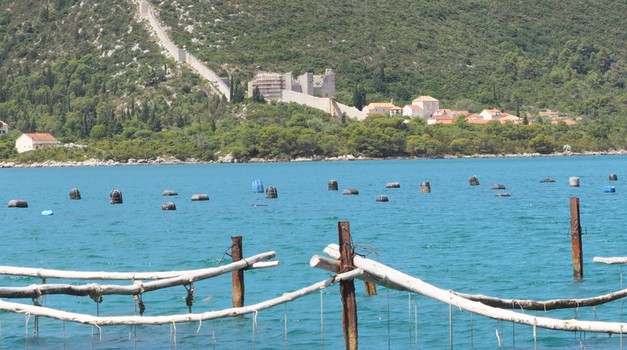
point(428, 104)
point(491, 114)
point(29, 142)
point(412, 111)
point(385, 108)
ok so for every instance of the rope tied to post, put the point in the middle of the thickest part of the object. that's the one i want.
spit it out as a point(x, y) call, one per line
point(97, 294)
point(140, 303)
point(189, 299)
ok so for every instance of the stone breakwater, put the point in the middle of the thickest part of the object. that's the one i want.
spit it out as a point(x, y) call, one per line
point(97, 162)
point(231, 159)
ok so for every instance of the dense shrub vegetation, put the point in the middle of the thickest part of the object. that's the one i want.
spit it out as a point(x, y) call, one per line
point(90, 73)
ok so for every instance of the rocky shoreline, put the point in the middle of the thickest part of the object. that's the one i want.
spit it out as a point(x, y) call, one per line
point(229, 159)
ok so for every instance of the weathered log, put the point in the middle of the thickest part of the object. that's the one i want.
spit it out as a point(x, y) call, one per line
point(237, 277)
point(575, 235)
point(191, 317)
point(347, 287)
point(416, 285)
point(332, 265)
point(254, 263)
point(92, 290)
point(547, 304)
point(610, 260)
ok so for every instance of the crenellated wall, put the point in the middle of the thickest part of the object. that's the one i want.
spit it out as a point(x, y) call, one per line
point(180, 54)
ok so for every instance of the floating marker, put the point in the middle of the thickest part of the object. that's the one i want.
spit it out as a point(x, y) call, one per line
point(116, 197)
point(257, 186)
point(382, 198)
point(18, 203)
point(503, 195)
point(425, 187)
point(168, 206)
point(47, 212)
point(547, 180)
point(350, 191)
point(609, 189)
point(200, 197)
point(497, 187)
point(573, 181)
point(271, 192)
point(170, 193)
point(613, 177)
point(332, 185)
point(75, 194)
point(473, 181)
point(393, 185)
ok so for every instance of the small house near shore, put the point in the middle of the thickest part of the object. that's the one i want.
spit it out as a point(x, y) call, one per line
point(29, 142)
point(4, 127)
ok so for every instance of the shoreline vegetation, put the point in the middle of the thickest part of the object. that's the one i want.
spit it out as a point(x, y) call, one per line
point(230, 160)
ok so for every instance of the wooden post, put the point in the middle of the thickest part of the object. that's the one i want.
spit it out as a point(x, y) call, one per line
point(371, 288)
point(575, 235)
point(238, 275)
point(347, 288)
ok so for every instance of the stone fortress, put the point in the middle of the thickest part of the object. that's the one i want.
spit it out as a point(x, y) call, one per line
point(270, 85)
point(316, 91)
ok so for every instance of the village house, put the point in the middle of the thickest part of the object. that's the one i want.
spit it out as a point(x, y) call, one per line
point(385, 108)
point(439, 119)
point(29, 142)
point(452, 113)
point(491, 114)
point(427, 104)
point(4, 127)
point(510, 118)
point(411, 111)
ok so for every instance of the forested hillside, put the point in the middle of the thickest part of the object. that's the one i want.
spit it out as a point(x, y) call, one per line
point(564, 56)
point(89, 72)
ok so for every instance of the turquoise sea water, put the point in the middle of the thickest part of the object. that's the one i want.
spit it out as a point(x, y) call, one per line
point(456, 237)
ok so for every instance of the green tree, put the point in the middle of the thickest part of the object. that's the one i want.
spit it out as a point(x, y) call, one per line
point(257, 96)
point(359, 97)
point(542, 144)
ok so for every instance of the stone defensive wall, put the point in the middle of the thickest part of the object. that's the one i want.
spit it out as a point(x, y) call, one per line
point(181, 55)
point(326, 104)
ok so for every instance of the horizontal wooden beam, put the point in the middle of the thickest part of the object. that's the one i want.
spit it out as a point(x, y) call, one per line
point(191, 317)
point(250, 263)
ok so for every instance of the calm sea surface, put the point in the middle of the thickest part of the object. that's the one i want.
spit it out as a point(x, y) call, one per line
point(456, 237)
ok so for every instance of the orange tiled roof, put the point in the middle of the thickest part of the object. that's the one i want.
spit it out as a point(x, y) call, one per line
point(478, 121)
point(381, 104)
point(414, 107)
point(41, 137)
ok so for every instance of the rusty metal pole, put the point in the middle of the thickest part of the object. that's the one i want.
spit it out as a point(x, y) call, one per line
point(237, 275)
point(575, 236)
point(347, 288)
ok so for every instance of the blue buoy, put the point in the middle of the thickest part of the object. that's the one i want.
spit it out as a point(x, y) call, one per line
point(609, 189)
point(47, 212)
point(257, 186)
